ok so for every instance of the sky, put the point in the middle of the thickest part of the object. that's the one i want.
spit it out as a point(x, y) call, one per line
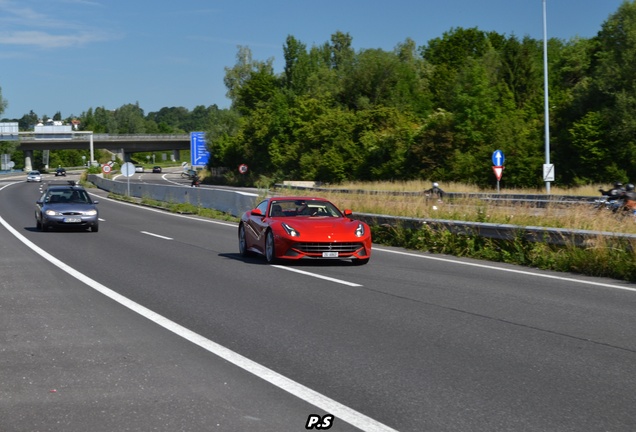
point(73, 55)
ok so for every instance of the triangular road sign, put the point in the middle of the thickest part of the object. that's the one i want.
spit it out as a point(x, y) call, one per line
point(498, 170)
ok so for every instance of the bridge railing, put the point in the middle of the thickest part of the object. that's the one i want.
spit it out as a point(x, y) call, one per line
point(128, 137)
point(104, 137)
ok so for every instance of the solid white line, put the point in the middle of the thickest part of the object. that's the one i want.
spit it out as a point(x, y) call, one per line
point(340, 411)
point(491, 267)
point(340, 281)
point(156, 235)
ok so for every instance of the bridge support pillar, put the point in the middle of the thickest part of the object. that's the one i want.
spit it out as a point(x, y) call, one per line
point(28, 160)
point(120, 154)
point(175, 155)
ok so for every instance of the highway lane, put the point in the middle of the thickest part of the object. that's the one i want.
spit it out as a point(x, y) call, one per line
point(417, 342)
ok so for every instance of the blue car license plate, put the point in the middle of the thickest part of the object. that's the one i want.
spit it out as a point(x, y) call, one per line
point(72, 220)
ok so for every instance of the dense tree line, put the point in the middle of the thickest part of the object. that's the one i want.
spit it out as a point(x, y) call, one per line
point(436, 111)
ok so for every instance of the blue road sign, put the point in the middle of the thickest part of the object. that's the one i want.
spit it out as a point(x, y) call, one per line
point(199, 154)
point(498, 158)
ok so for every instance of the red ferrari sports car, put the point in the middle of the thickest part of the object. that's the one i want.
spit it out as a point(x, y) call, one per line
point(293, 228)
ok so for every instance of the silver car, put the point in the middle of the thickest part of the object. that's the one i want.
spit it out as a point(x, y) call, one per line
point(34, 176)
point(66, 206)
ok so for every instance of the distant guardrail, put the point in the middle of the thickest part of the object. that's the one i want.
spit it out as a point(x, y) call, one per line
point(539, 200)
point(235, 203)
point(556, 236)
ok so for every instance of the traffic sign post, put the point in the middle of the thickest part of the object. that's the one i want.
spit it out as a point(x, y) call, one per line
point(127, 170)
point(498, 159)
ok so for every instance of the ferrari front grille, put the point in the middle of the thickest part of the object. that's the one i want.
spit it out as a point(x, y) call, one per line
point(328, 247)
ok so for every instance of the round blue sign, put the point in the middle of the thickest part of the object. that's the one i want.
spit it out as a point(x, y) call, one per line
point(498, 158)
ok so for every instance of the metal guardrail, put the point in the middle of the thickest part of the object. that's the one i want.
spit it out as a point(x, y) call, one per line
point(556, 236)
point(235, 203)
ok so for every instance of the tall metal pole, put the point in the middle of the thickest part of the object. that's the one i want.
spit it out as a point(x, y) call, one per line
point(545, 92)
point(92, 151)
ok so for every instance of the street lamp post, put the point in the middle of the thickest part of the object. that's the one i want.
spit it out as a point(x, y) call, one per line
point(545, 95)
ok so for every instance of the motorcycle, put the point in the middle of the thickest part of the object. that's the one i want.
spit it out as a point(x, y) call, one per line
point(616, 206)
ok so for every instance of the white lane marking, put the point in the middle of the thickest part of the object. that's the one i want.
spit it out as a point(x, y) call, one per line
point(491, 267)
point(156, 235)
point(340, 281)
point(340, 411)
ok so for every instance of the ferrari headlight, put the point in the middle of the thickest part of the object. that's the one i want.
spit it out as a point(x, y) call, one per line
point(360, 230)
point(290, 230)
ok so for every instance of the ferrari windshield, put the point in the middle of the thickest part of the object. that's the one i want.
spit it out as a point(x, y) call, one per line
point(292, 208)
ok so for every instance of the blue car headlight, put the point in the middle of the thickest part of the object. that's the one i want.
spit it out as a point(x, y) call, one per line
point(50, 212)
point(291, 231)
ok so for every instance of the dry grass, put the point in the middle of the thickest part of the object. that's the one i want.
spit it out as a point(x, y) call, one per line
point(376, 198)
point(419, 185)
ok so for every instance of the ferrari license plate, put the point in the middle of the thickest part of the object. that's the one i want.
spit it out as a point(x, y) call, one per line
point(72, 220)
point(330, 254)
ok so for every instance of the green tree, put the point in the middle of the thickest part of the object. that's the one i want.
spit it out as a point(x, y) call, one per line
point(297, 65)
point(249, 82)
point(3, 103)
point(130, 119)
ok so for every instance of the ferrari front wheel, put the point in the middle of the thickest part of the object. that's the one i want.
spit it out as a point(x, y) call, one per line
point(242, 241)
point(270, 253)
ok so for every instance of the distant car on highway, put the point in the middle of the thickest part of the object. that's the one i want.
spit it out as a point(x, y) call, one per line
point(60, 172)
point(66, 205)
point(294, 228)
point(34, 176)
point(139, 168)
point(156, 169)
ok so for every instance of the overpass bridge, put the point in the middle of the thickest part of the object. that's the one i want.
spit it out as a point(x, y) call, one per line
point(121, 145)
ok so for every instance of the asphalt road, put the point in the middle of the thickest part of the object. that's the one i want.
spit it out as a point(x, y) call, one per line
point(156, 323)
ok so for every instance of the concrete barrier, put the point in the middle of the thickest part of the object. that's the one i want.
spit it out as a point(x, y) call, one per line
point(231, 202)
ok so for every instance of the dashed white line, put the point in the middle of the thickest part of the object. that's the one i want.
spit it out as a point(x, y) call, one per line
point(340, 281)
point(156, 235)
